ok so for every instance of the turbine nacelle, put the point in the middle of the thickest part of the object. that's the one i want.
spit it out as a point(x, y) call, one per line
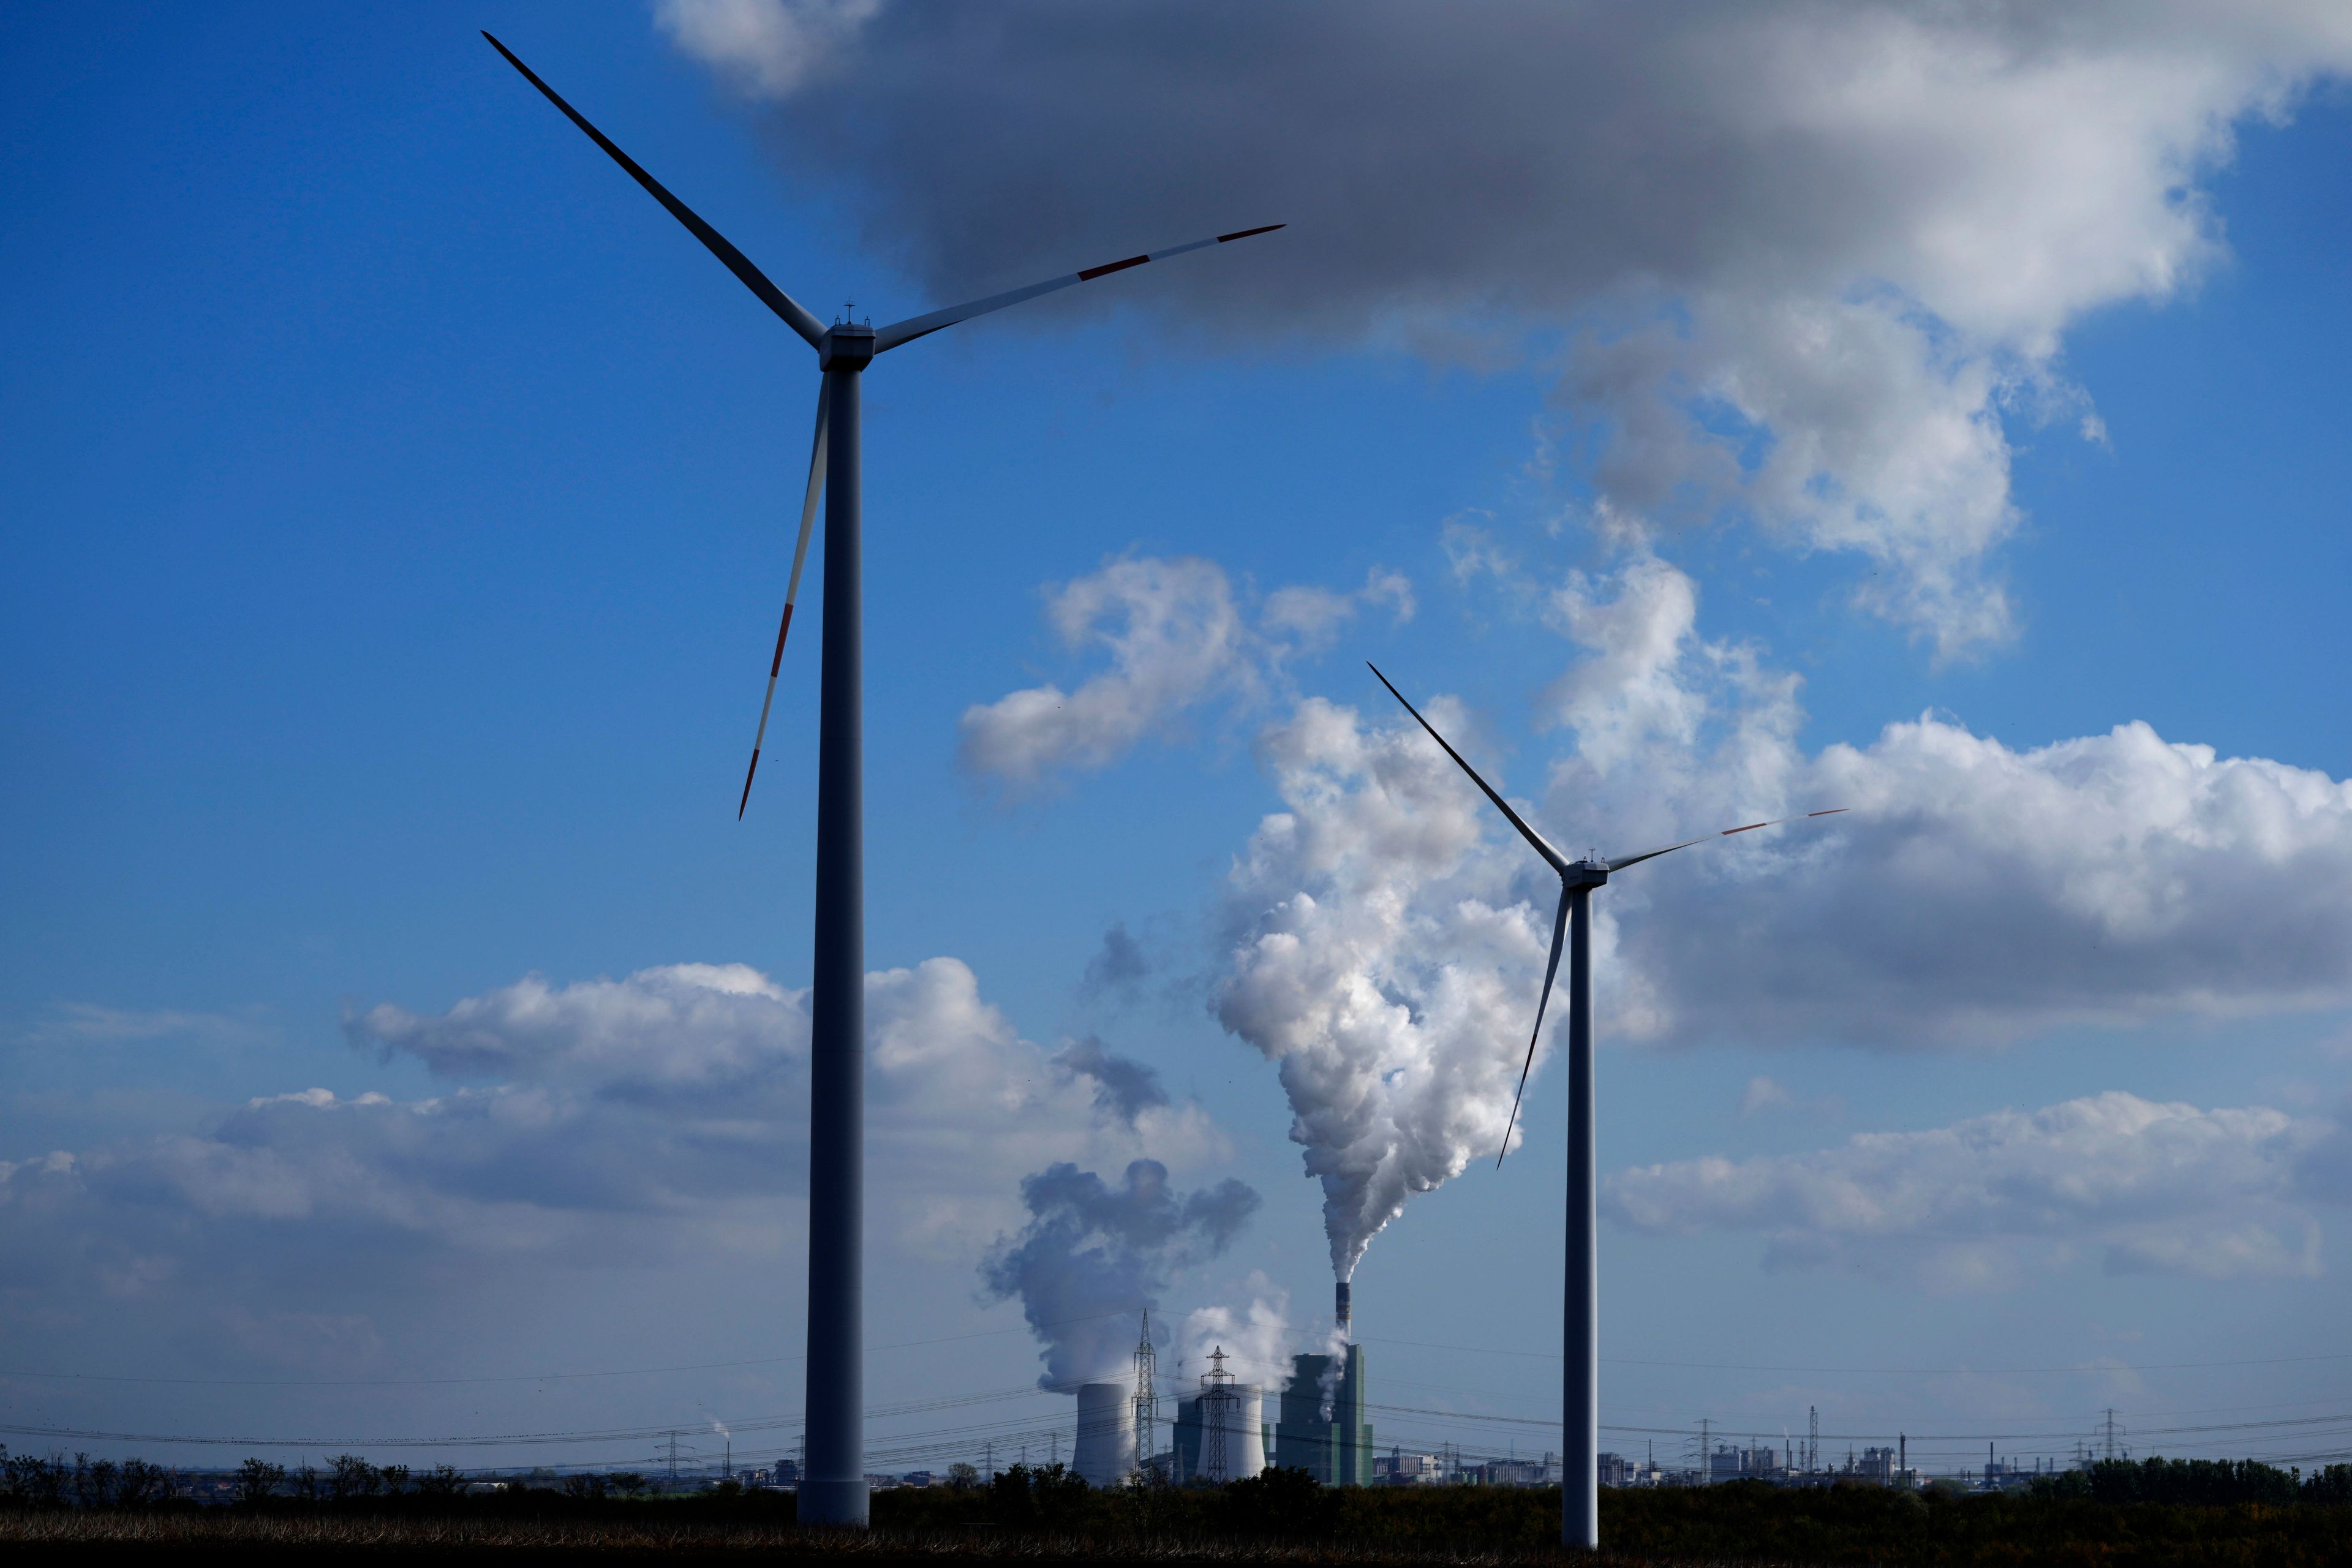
point(1577, 881)
point(846, 345)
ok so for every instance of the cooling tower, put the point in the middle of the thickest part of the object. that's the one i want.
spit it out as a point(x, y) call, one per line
point(1240, 1409)
point(1106, 1449)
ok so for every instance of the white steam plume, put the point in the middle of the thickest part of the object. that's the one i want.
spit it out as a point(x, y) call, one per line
point(1398, 1071)
point(1256, 1339)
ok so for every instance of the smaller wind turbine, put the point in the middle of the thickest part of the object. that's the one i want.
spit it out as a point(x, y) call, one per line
point(1579, 1522)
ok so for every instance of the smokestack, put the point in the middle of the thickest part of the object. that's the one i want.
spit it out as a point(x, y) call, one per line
point(1343, 1307)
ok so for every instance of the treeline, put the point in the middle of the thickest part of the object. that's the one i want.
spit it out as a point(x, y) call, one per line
point(54, 1480)
point(86, 1482)
point(1864, 1523)
point(2199, 1481)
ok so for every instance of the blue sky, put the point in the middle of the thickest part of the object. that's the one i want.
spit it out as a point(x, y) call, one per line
point(397, 506)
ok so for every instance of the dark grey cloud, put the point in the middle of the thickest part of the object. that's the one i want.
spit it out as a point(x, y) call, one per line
point(1516, 154)
point(1093, 1254)
point(1123, 1086)
point(1851, 232)
point(1119, 967)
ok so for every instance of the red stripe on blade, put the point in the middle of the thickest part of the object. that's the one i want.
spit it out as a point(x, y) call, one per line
point(1244, 234)
point(1091, 273)
point(747, 784)
point(1831, 812)
point(777, 663)
point(1749, 828)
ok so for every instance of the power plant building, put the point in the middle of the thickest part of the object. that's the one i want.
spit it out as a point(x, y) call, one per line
point(1336, 1450)
point(1222, 1434)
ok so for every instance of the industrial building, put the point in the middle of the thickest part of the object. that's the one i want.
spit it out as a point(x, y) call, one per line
point(1321, 1427)
point(1335, 1449)
point(1221, 1431)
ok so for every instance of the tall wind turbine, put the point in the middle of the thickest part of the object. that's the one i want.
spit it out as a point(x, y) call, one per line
point(1580, 1503)
point(833, 1486)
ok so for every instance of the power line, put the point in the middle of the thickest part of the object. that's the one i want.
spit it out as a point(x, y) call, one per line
point(1095, 1317)
point(2215, 1433)
point(1890, 1371)
point(602, 1434)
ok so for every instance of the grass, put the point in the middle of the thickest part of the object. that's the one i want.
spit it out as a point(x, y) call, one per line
point(2163, 1518)
point(248, 1536)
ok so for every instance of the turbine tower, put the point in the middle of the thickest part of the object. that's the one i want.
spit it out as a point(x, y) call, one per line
point(1579, 1521)
point(832, 1483)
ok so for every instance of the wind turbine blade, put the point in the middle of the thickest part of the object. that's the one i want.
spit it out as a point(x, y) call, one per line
point(791, 593)
point(1620, 864)
point(1552, 969)
point(795, 314)
point(914, 327)
point(1529, 834)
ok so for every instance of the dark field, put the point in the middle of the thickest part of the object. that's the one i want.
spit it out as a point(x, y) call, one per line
point(2218, 1515)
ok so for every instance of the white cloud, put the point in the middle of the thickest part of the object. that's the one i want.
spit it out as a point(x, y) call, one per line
point(1810, 255)
point(1975, 893)
point(1309, 617)
point(1884, 437)
point(2147, 1186)
point(1176, 637)
point(766, 46)
point(669, 1104)
point(87, 1022)
point(1763, 1094)
point(684, 1024)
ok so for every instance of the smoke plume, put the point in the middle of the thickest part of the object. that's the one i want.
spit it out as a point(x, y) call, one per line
point(1256, 1339)
point(1399, 1069)
point(1093, 1255)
